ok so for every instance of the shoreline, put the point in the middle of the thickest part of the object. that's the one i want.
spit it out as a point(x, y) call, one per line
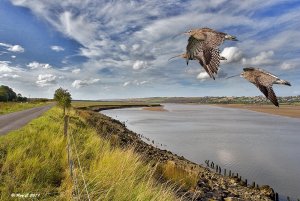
point(210, 184)
point(292, 111)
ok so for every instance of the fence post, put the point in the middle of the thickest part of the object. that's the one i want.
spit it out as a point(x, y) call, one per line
point(66, 122)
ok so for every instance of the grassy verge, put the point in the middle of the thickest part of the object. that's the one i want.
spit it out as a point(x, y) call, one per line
point(10, 107)
point(34, 160)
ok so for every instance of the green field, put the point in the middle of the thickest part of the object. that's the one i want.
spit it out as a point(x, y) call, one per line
point(9, 107)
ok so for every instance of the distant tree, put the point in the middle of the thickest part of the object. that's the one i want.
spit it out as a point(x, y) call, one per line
point(63, 98)
point(7, 94)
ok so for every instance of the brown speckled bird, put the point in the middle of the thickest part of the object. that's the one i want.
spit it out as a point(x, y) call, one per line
point(184, 56)
point(203, 45)
point(264, 81)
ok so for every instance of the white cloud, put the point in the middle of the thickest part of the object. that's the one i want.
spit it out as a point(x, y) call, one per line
point(82, 83)
point(232, 54)
point(123, 47)
point(57, 48)
point(203, 76)
point(135, 82)
point(13, 48)
point(76, 71)
point(16, 48)
point(5, 75)
point(35, 65)
point(135, 47)
point(263, 58)
point(46, 80)
point(140, 65)
point(287, 66)
point(126, 83)
point(13, 56)
point(4, 67)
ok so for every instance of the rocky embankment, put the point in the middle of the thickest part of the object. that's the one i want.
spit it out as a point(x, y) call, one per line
point(210, 185)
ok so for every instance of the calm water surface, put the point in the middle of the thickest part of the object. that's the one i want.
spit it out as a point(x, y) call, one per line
point(260, 147)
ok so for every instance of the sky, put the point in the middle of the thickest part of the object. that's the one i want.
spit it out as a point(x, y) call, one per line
point(111, 49)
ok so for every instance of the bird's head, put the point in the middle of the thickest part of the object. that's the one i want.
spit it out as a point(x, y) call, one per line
point(189, 32)
point(242, 74)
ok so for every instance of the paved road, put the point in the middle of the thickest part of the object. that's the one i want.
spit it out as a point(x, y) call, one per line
point(13, 121)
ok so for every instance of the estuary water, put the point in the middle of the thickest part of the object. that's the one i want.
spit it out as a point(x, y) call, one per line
point(260, 147)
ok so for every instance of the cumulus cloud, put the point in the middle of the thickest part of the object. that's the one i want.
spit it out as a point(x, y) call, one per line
point(46, 80)
point(6, 67)
point(82, 83)
point(13, 48)
point(202, 76)
point(16, 48)
point(263, 58)
point(35, 65)
point(140, 65)
point(232, 54)
point(57, 48)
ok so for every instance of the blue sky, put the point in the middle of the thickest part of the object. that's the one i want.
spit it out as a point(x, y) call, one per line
point(120, 49)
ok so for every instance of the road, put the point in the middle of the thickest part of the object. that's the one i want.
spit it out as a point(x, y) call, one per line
point(13, 121)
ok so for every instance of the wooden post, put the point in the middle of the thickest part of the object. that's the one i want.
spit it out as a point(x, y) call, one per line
point(246, 182)
point(276, 197)
point(288, 198)
point(66, 122)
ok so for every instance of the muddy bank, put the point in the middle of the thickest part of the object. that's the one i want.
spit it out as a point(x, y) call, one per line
point(208, 185)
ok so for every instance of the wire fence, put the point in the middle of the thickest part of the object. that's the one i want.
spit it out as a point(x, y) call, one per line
point(75, 166)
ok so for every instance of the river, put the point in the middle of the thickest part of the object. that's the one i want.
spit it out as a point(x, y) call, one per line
point(260, 147)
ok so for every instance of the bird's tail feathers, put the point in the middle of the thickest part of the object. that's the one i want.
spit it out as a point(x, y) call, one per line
point(230, 37)
point(279, 81)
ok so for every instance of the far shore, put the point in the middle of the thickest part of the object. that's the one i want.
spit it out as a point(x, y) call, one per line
point(156, 109)
point(283, 110)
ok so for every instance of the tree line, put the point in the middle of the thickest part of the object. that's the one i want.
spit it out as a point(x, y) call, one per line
point(8, 94)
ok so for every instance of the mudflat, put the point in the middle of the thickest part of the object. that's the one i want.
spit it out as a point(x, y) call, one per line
point(282, 110)
point(157, 109)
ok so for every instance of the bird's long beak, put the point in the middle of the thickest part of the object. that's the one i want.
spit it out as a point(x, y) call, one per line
point(174, 57)
point(232, 76)
point(184, 33)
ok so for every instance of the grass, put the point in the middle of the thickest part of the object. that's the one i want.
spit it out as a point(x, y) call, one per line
point(9, 107)
point(178, 175)
point(34, 160)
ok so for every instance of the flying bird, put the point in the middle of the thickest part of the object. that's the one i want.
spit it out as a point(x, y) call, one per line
point(264, 81)
point(203, 45)
point(184, 56)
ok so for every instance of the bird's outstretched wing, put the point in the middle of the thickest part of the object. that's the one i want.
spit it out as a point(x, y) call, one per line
point(214, 39)
point(267, 90)
point(193, 48)
point(210, 60)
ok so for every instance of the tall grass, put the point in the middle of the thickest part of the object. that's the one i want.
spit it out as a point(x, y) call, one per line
point(34, 160)
point(10, 107)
